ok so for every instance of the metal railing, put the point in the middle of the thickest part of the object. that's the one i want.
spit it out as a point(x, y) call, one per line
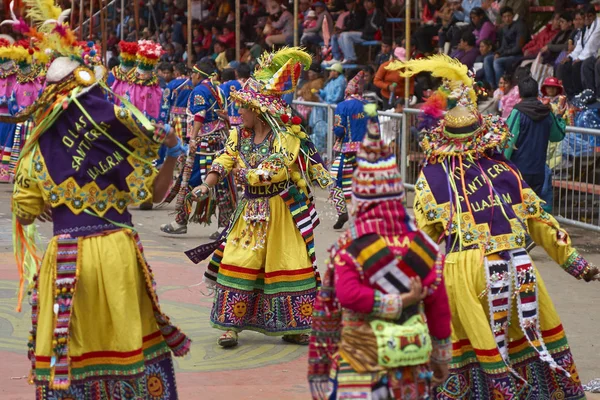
point(575, 193)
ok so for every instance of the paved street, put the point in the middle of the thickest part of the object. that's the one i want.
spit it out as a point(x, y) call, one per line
point(260, 367)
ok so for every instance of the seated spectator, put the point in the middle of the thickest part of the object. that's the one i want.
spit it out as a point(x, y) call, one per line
point(310, 21)
point(512, 39)
point(483, 28)
point(485, 48)
point(577, 69)
point(368, 78)
point(223, 10)
point(354, 21)
point(468, 6)
point(371, 31)
point(452, 18)
point(466, 52)
point(165, 74)
point(533, 125)
point(310, 88)
point(433, 10)
point(228, 36)
point(386, 52)
point(333, 92)
point(282, 25)
point(219, 55)
point(314, 36)
point(559, 42)
point(542, 38)
point(169, 55)
point(520, 9)
point(391, 83)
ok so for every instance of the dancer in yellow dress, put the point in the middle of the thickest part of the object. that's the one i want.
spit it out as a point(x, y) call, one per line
point(98, 331)
point(265, 275)
point(508, 341)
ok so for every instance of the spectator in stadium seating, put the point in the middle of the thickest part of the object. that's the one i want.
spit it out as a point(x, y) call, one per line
point(559, 43)
point(483, 28)
point(165, 74)
point(467, 50)
point(542, 38)
point(391, 83)
point(283, 25)
point(577, 69)
point(333, 92)
point(433, 10)
point(368, 79)
point(373, 26)
point(219, 55)
point(485, 48)
point(512, 39)
point(228, 36)
point(520, 9)
point(314, 36)
point(491, 11)
point(533, 125)
point(452, 17)
point(353, 22)
point(386, 52)
point(169, 55)
point(468, 6)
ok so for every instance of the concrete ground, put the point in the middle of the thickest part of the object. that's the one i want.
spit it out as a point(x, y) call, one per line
point(260, 367)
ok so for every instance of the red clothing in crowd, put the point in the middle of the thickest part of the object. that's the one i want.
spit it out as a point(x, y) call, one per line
point(539, 40)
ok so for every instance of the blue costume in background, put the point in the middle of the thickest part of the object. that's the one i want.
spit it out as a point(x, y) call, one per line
point(332, 93)
point(232, 109)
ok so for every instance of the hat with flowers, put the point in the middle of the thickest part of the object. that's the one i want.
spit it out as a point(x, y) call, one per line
point(148, 54)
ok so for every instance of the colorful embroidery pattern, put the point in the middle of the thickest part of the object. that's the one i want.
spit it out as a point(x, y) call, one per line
point(90, 196)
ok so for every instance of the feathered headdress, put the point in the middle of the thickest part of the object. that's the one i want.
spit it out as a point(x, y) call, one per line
point(279, 72)
point(456, 89)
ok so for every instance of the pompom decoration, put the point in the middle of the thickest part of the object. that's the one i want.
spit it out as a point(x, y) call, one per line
point(371, 109)
point(148, 54)
point(285, 118)
point(296, 120)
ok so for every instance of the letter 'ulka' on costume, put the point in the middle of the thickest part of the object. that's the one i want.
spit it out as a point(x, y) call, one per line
point(258, 286)
point(88, 160)
point(349, 130)
point(365, 342)
point(471, 197)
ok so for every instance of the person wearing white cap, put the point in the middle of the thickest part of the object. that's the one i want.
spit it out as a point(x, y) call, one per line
point(315, 35)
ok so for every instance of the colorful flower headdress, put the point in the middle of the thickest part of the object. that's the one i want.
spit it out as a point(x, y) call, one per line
point(128, 54)
point(148, 54)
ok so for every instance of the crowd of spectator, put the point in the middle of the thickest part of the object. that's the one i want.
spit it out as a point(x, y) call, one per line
point(494, 38)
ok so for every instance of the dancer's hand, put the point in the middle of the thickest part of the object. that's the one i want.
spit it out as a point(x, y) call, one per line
point(46, 215)
point(199, 191)
point(440, 373)
point(171, 140)
point(416, 294)
point(593, 274)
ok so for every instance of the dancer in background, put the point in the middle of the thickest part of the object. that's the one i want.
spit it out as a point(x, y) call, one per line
point(507, 338)
point(123, 73)
point(265, 273)
point(97, 327)
point(350, 127)
point(382, 318)
point(208, 134)
point(26, 90)
point(8, 78)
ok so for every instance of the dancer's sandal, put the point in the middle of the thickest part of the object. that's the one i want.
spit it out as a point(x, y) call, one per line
point(228, 339)
point(301, 339)
point(169, 228)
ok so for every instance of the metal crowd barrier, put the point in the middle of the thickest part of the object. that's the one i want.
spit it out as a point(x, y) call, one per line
point(575, 186)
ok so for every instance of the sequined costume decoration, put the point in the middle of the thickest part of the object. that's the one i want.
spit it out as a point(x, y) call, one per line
point(472, 198)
